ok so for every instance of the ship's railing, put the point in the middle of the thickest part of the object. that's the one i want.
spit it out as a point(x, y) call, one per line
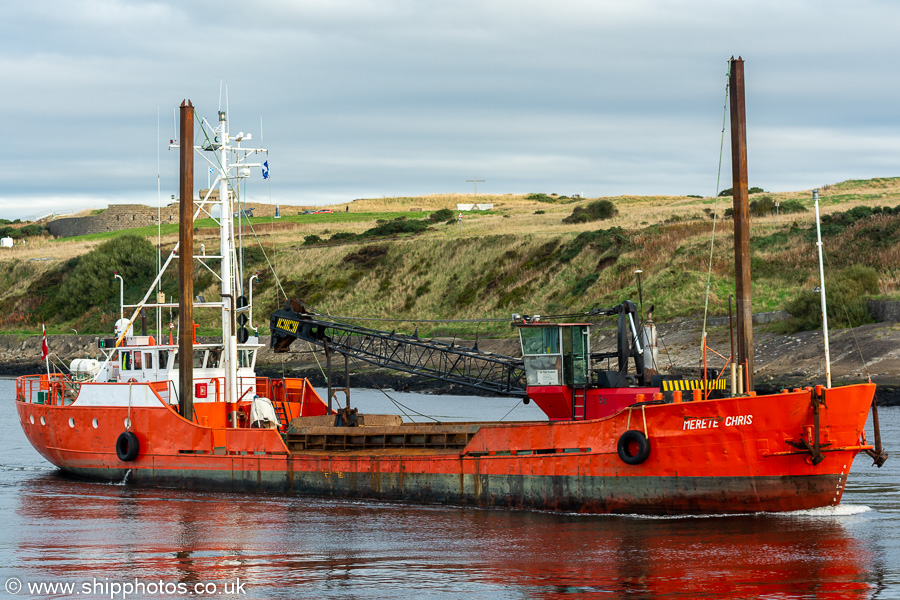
point(162, 389)
point(206, 389)
point(285, 393)
point(212, 389)
point(60, 389)
point(249, 387)
point(57, 389)
point(209, 389)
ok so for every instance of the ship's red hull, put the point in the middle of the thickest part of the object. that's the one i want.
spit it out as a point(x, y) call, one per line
point(716, 456)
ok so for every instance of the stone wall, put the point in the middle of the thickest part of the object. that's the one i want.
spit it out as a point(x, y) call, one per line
point(114, 218)
point(758, 318)
point(885, 310)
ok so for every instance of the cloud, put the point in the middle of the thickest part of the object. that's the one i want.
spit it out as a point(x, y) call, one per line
point(361, 98)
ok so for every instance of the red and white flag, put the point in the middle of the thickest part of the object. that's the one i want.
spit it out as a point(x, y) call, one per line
point(45, 349)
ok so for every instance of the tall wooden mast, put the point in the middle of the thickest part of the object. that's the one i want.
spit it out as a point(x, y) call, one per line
point(186, 264)
point(741, 221)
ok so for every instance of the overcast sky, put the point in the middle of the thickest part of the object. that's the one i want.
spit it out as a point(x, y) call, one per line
point(366, 98)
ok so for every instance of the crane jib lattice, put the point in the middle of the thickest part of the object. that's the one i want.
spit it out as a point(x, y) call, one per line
point(485, 371)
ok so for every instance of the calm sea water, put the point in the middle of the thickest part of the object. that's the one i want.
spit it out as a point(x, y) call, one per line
point(116, 541)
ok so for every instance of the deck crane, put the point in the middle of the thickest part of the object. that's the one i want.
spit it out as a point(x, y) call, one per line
point(487, 372)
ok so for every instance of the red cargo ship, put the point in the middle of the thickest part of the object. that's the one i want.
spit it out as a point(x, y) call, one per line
point(611, 443)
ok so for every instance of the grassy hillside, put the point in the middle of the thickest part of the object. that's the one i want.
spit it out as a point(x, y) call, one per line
point(518, 257)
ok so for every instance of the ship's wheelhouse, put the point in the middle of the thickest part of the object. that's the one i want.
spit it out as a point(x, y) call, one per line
point(556, 354)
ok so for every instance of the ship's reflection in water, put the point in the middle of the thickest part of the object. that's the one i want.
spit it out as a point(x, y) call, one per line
point(64, 530)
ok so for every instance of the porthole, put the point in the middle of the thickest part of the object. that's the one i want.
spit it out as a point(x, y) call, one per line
point(71, 422)
point(95, 423)
point(43, 420)
point(127, 423)
point(31, 418)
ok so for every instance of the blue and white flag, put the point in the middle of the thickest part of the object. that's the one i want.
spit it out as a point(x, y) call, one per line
point(265, 170)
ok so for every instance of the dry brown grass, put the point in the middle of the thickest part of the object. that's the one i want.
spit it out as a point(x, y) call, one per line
point(37, 248)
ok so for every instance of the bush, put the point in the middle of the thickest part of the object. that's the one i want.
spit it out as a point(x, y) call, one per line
point(835, 223)
point(540, 197)
point(397, 226)
point(92, 281)
point(444, 214)
point(311, 240)
point(730, 191)
point(34, 229)
point(18, 233)
point(846, 297)
point(342, 236)
point(762, 206)
point(597, 210)
point(791, 206)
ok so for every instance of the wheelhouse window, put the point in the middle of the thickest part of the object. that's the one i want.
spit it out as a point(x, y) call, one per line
point(555, 354)
point(541, 354)
point(539, 340)
point(575, 354)
point(246, 358)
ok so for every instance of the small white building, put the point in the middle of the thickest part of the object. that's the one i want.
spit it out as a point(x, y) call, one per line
point(6, 242)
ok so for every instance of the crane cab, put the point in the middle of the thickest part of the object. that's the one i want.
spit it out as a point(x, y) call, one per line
point(555, 353)
point(559, 376)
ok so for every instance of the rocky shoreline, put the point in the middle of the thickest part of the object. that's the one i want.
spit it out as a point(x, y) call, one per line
point(867, 352)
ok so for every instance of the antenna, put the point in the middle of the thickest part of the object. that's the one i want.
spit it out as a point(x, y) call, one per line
point(158, 229)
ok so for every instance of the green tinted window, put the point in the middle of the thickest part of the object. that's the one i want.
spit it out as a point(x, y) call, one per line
point(539, 340)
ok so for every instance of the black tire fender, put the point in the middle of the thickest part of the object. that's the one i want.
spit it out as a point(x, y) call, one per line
point(629, 437)
point(127, 446)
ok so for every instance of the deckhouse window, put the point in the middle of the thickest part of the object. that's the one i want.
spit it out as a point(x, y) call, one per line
point(246, 358)
point(539, 340)
point(555, 354)
point(541, 355)
point(575, 354)
point(213, 358)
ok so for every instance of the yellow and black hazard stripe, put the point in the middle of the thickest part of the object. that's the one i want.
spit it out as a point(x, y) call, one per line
point(686, 385)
